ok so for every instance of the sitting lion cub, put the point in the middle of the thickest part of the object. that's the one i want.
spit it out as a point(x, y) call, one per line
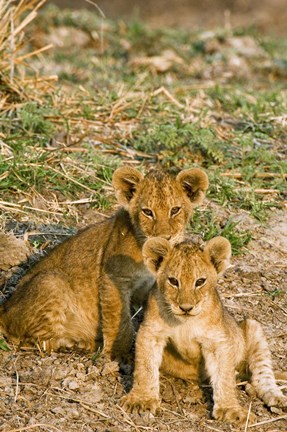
point(185, 321)
point(80, 293)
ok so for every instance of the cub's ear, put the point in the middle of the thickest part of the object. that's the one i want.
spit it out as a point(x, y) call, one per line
point(194, 183)
point(125, 181)
point(154, 251)
point(219, 251)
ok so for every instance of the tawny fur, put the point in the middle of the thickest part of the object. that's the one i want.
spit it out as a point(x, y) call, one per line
point(80, 293)
point(186, 327)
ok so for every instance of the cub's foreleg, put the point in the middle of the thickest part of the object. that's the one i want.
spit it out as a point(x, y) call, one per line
point(145, 392)
point(220, 365)
point(117, 325)
point(260, 365)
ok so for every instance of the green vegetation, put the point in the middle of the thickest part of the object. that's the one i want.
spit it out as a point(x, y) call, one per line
point(127, 93)
point(3, 345)
point(207, 224)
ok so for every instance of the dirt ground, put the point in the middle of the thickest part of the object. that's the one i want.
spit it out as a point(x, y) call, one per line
point(80, 392)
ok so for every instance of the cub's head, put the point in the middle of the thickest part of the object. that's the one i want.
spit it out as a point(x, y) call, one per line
point(186, 273)
point(159, 204)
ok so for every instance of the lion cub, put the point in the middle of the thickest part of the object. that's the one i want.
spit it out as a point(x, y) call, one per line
point(185, 321)
point(80, 293)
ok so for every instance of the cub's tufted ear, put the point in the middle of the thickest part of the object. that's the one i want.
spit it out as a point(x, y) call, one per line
point(219, 251)
point(194, 183)
point(154, 251)
point(125, 181)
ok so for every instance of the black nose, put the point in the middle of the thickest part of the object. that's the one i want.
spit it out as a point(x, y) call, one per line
point(186, 307)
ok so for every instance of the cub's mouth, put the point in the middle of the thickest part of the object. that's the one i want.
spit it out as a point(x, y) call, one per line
point(189, 313)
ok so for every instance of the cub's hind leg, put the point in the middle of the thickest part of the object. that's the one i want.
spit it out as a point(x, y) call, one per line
point(259, 361)
point(41, 312)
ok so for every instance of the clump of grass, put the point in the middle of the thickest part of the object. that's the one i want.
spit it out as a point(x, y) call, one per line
point(177, 140)
point(14, 18)
point(208, 225)
point(33, 119)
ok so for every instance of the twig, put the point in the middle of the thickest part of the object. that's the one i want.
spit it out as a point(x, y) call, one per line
point(248, 415)
point(258, 191)
point(130, 422)
point(43, 425)
point(214, 429)
point(176, 398)
point(12, 46)
point(17, 384)
point(168, 95)
point(71, 179)
point(19, 207)
point(242, 294)
point(266, 175)
point(94, 411)
point(137, 312)
point(102, 24)
point(269, 421)
point(266, 191)
point(40, 50)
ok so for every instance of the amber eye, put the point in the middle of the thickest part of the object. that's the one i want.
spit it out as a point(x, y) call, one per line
point(200, 282)
point(148, 212)
point(174, 211)
point(173, 281)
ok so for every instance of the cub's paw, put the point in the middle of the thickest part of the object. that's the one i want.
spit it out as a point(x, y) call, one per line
point(275, 400)
point(234, 414)
point(137, 404)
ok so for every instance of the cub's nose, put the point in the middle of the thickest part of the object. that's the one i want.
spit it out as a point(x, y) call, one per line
point(186, 307)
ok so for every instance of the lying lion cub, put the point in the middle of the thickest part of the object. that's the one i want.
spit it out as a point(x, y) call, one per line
point(186, 320)
point(81, 291)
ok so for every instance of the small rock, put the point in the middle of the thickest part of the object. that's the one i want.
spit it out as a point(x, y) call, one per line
point(81, 376)
point(59, 374)
point(58, 410)
point(73, 385)
point(93, 372)
point(5, 381)
point(276, 410)
point(73, 413)
point(13, 251)
point(93, 393)
point(110, 368)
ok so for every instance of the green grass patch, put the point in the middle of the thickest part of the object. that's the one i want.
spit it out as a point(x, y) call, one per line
point(207, 224)
point(3, 345)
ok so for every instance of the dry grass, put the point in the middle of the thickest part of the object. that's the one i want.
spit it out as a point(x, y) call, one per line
point(15, 85)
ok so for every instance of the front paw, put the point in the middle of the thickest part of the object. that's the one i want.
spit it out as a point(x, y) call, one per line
point(135, 403)
point(234, 414)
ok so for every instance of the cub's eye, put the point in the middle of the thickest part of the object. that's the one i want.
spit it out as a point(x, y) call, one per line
point(148, 212)
point(200, 282)
point(173, 281)
point(175, 210)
